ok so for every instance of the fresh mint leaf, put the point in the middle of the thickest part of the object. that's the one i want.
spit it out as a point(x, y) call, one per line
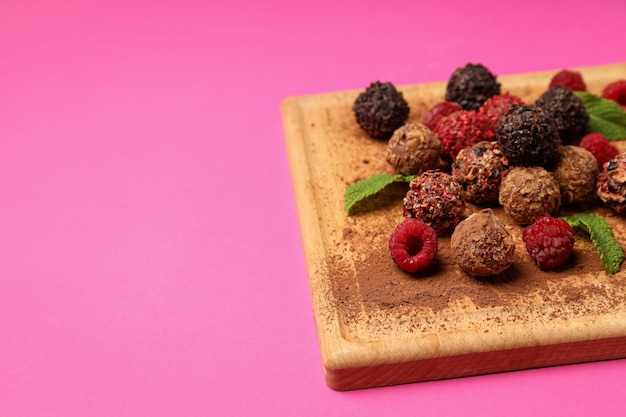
point(374, 192)
point(601, 235)
point(605, 116)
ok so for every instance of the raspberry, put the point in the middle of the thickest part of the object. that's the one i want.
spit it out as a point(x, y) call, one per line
point(569, 79)
point(616, 91)
point(413, 245)
point(600, 147)
point(439, 110)
point(461, 130)
point(549, 241)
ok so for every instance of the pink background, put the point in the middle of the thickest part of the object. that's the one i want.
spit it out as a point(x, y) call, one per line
point(150, 255)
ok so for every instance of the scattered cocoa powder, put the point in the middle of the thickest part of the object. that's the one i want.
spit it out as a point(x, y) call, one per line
point(374, 285)
point(372, 297)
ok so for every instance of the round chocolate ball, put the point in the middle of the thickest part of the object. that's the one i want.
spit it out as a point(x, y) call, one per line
point(413, 148)
point(576, 172)
point(529, 192)
point(380, 110)
point(528, 136)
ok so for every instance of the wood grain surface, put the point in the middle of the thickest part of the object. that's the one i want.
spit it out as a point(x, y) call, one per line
point(441, 324)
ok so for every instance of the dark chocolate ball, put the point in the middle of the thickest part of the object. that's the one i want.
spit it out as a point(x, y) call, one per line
point(568, 112)
point(471, 85)
point(528, 136)
point(380, 110)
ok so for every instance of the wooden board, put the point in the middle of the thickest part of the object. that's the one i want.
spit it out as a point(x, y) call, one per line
point(379, 326)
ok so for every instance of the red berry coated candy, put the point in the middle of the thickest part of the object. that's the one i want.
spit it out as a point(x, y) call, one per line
point(495, 107)
point(413, 245)
point(438, 111)
point(569, 79)
point(461, 130)
point(549, 241)
point(600, 147)
point(616, 91)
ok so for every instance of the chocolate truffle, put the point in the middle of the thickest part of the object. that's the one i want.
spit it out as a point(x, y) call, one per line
point(576, 173)
point(471, 85)
point(529, 192)
point(413, 148)
point(439, 111)
point(479, 169)
point(567, 111)
point(460, 130)
point(482, 245)
point(528, 136)
point(436, 199)
point(611, 184)
point(380, 110)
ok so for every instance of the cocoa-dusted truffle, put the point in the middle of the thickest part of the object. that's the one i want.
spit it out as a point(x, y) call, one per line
point(576, 173)
point(482, 245)
point(471, 85)
point(568, 112)
point(479, 169)
point(528, 136)
point(611, 184)
point(380, 110)
point(413, 148)
point(436, 199)
point(529, 192)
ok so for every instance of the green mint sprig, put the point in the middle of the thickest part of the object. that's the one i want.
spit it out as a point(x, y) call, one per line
point(605, 116)
point(373, 192)
point(609, 249)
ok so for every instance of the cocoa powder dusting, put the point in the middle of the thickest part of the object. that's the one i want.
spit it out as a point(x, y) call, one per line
point(373, 299)
point(373, 289)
